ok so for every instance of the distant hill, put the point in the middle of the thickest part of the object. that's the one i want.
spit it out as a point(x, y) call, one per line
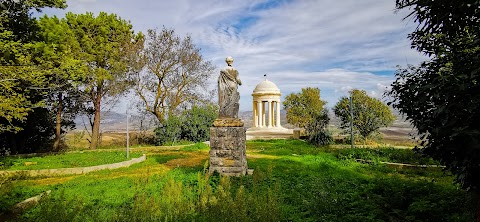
point(116, 122)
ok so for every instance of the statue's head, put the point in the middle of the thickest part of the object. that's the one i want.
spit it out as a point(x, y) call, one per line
point(229, 60)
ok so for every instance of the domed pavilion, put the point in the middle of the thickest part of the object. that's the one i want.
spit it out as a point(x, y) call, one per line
point(266, 107)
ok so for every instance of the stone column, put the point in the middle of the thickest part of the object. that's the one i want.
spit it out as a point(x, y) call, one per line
point(278, 114)
point(269, 102)
point(272, 116)
point(259, 113)
point(273, 113)
point(275, 110)
point(255, 115)
point(263, 115)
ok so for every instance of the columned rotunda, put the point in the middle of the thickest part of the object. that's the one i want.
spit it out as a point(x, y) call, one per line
point(266, 107)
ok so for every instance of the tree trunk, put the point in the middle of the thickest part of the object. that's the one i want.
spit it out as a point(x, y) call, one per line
point(96, 123)
point(58, 127)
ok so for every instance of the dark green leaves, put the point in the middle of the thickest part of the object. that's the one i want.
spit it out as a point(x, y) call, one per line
point(441, 96)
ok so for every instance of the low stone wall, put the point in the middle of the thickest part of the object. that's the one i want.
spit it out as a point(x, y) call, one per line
point(76, 170)
point(30, 202)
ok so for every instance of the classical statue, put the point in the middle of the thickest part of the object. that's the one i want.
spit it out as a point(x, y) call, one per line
point(228, 97)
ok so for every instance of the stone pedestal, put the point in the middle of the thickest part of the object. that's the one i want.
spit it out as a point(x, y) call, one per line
point(227, 149)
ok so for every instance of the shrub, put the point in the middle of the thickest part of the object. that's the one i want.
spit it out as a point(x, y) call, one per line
point(317, 132)
point(193, 125)
point(320, 138)
point(197, 123)
point(168, 131)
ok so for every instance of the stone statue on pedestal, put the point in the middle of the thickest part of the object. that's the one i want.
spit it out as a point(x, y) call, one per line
point(228, 96)
point(227, 136)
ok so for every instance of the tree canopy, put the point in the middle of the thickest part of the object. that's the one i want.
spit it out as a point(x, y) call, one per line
point(104, 42)
point(35, 55)
point(441, 96)
point(59, 51)
point(19, 74)
point(52, 69)
point(303, 107)
point(175, 74)
point(369, 114)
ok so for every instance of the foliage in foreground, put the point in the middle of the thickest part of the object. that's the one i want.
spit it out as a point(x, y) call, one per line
point(441, 96)
point(19, 74)
point(293, 181)
point(178, 196)
point(384, 154)
point(31, 65)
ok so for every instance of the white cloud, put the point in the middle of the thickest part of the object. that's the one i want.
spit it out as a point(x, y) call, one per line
point(330, 44)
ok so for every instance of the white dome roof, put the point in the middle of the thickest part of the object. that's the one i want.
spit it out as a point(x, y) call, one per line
point(266, 87)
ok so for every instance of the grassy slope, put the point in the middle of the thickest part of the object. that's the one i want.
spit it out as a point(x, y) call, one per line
point(65, 160)
point(292, 182)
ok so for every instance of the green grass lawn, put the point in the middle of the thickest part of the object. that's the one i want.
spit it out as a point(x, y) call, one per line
point(63, 160)
point(292, 181)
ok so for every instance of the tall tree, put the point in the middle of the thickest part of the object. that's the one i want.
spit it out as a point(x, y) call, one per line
point(175, 74)
point(104, 42)
point(59, 52)
point(19, 75)
point(369, 114)
point(25, 124)
point(441, 96)
point(303, 107)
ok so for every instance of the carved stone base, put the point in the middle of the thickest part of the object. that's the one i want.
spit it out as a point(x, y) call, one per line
point(228, 122)
point(228, 151)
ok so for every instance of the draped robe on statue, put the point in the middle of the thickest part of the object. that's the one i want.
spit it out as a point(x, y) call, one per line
point(228, 97)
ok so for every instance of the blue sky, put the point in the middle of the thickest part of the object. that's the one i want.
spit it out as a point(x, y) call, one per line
point(330, 44)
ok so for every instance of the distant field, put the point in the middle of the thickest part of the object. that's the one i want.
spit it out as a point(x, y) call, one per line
point(78, 140)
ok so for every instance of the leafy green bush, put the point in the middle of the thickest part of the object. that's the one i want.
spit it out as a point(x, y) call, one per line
point(193, 125)
point(197, 123)
point(316, 129)
point(320, 138)
point(168, 131)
